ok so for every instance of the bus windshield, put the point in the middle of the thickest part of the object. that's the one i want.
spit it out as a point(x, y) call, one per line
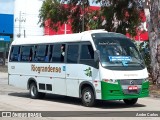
point(117, 52)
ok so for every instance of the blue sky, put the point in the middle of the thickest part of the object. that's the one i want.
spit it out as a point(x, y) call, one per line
point(93, 3)
point(6, 6)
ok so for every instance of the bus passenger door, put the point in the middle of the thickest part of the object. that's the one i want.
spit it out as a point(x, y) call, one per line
point(72, 69)
point(59, 84)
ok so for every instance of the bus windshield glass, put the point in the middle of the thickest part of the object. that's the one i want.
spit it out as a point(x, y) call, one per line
point(117, 52)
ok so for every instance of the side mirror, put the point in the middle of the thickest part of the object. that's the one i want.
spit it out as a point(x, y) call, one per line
point(97, 57)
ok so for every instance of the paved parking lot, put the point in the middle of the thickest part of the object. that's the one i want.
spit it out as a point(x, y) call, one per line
point(15, 99)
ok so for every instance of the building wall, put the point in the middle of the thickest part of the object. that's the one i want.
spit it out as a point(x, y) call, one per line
point(65, 28)
point(26, 18)
point(6, 23)
point(6, 16)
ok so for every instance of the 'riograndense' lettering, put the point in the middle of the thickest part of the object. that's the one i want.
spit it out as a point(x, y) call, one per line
point(49, 68)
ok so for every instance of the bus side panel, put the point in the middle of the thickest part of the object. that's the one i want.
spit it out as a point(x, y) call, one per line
point(50, 77)
point(91, 74)
point(59, 86)
point(18, 81)
point(72, 79)
point(45, 75)
point(52, 85)
point(15, 78)
point(79, 73)
point(43, 83)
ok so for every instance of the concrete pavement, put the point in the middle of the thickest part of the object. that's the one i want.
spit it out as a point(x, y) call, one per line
point(15, 99)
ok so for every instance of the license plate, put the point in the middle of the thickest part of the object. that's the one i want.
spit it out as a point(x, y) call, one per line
point(132, 88)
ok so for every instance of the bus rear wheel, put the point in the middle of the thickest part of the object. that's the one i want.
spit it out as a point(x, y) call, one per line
point(34, 92)
point(130, 101)
point(88, 98)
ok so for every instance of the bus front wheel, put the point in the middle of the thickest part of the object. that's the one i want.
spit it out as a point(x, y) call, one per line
point(88, 98)
point(34, 92)
point(130, 101)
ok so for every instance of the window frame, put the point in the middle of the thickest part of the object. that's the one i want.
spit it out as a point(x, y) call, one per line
point(67, 44)
point(86, 43)
point(28, 45)
point(89, 62)
point(46, 54)
point(72, 43)
point(52, 52)
point(11, 52)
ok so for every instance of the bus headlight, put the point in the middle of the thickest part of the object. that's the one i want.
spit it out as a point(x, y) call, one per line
point(113, 81)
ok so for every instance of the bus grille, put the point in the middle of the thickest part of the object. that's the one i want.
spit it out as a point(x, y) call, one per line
point(125, 83)
point(131, 82)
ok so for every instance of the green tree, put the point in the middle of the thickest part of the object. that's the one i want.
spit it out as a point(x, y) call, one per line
point(114, 15)
point(121, 15)
point(54, 12)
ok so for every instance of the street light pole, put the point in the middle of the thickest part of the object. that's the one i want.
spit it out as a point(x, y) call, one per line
point(20, 20)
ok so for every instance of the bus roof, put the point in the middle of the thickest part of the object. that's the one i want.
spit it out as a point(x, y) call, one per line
point(76, 37)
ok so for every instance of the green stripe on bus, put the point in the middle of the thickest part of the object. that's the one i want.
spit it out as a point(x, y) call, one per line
point(115, 92)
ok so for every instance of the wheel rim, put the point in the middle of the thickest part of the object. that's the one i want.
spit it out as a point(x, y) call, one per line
point(33, 90)
point(87, 97)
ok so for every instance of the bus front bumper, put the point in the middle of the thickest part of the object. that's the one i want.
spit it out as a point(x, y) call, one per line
point(115, 92)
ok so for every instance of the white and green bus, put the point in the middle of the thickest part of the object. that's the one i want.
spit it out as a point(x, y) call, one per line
point(92, 65)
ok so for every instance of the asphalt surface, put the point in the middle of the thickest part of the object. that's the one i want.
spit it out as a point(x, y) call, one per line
point(15, 99)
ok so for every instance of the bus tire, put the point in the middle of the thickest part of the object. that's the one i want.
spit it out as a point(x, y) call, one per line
point(130, 101)
point(34, 92)
point(88, 97)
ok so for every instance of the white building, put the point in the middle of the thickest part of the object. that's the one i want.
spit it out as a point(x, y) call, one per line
point(26, 18)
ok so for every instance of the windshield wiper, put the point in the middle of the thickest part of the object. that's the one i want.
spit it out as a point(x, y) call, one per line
point(139, 63)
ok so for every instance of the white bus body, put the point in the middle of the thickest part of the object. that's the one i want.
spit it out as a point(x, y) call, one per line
point(80, 71)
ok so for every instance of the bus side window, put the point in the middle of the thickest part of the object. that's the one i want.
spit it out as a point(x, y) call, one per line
point(58, 53)
point(72, 53)
point(26, 53)
point(87, 52)
point(41, 53)
point(15, 53)
point(87, 55)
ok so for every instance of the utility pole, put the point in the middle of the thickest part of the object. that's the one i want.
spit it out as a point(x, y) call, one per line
point(20, 20)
